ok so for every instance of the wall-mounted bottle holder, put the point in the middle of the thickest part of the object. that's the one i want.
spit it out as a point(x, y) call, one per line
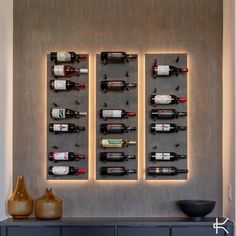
point(163, 143)
point(76, 100)
point(127, 100)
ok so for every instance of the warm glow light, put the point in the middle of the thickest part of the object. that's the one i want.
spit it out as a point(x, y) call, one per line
point(141, 130)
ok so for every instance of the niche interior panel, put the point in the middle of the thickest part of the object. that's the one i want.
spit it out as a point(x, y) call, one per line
point(77, 100)
point(126, 100)
point(161, 144)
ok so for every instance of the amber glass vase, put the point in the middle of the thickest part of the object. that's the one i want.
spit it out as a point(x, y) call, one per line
point(20, 204)
point(48, 207)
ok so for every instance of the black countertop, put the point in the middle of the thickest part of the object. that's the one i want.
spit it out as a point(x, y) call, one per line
point(112, 221)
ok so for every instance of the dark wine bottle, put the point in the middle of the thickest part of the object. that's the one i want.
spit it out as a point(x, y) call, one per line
point(166, 156)
point(65, 170)
point(166, 99)
point(69, 57)
point(166, 70)
point(116, 85)
point(158, 171)
point(115, 157)
point(116, 171)
point(115, 113)
point(116, 57)
point(115, 128)
point(166, 128)
point(166, 114)
point(67, 71)
point(65, 156)
point(63, 113)
point(116, 142)
point(63, 85)
point(65, 128)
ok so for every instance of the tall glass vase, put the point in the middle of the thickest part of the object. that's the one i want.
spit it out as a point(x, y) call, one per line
point(20, 204)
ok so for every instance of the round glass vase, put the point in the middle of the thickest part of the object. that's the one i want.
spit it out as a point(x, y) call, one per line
point(20, 204)
point(48, 207)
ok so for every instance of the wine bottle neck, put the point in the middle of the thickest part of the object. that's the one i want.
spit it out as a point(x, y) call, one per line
point(82, 56)
point(131, 142)
point(132, 56)
point(182, 156)
point(130, 157)
point(131, 171)
point(184, 70)
point(182, 171)
point(182, 113)
point(81, 171)
point(79, 128)
point(80, 157)
point(183, 99)
point(131, 113)
point(131, 85)
point(130, 128)
point(182, 127)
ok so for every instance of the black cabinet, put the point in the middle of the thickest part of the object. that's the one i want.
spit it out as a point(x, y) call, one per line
point(140, 231)
point(33, 231)
point(196, 231)
point(88, 231)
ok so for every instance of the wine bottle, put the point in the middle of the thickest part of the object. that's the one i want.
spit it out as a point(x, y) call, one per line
point(156, 171)
point(115, 128)
point(166, 99)
point(116, 171)
point(116, 85)
point(65, 128)
point(63, 113)
point(65, 156)
point(166, 70)
point(166, 128)
point(66, 71)
point(63, 85)
point(65, 170)
point(116, 57)
point(115, 113)
point(166, 114)
point(69, 57)
point(166, 156)
point(115, 157)
point(116, 143)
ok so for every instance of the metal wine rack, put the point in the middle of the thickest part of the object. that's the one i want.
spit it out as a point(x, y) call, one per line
point(168, 85)
point(127, 100)
point(72, 142)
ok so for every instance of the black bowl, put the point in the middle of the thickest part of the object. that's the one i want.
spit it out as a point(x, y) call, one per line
point(196, 209)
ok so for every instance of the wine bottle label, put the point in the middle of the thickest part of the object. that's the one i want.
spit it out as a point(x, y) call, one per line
point(60, 127)
point(163, 70)
point(60, 170)
point(162, 99)
point(162, 170)
point(159, 156)
point(59, 70)
point(162, 127)
point(61, 156)
point(114, 85)
point(83, 71)
point(112, 113)
point(113, 170)
point(115, 55)
point(64, 56)
point(112, 142)
point(58, 113)
point(60, 84)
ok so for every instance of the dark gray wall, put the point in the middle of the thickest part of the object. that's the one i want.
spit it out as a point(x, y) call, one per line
point(142, 26)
